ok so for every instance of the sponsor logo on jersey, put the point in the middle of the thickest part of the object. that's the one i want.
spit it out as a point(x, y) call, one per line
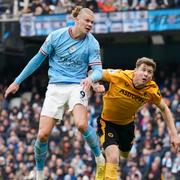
point(72, 49)
point(132, 96)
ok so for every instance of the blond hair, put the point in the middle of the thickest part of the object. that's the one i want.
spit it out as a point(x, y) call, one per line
point(79, 9)
point(147, 61)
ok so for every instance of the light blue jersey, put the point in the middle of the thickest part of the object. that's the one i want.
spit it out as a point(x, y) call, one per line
point(69, 58)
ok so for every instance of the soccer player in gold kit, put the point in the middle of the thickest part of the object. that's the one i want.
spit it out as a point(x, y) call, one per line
point(128, 91)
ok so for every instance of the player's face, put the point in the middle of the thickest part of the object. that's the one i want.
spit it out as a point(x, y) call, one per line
point(143, 74)
point(85, 22)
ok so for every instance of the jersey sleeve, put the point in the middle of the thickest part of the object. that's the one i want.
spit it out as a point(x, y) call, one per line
point(94, 54)
point(47, 46)
point(156, 95)
point(107, 74)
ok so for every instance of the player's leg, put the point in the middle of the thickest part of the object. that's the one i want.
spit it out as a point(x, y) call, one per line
point(112, 163)
point(46, 125)
point(52, 110)
point(78, 104)
point(117, 139)
point(89, 134)
point(126, 136)
point(109, 139)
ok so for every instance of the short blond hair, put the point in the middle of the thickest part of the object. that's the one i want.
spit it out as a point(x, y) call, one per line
point(80, 9)
point(147, 61)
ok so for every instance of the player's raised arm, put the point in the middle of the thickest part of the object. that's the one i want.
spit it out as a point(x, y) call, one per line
point(167, 115)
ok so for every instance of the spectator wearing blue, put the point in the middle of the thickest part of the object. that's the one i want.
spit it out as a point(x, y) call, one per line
point(70, 50)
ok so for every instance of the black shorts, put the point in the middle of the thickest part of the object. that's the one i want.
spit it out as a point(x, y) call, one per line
point(113, 134)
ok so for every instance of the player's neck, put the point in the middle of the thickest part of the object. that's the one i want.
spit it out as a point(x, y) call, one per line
point(76, 34)
point(136, 84)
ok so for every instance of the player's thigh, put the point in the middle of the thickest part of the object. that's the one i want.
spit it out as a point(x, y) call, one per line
point(126, 137)
point(78, 102)
point(77, 96)
point(56, 97)
point(107, 133)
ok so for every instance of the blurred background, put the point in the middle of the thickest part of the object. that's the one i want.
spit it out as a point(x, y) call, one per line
point(126, 31)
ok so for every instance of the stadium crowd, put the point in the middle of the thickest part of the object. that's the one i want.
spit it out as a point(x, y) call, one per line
point(69, 158)
point(66, 6)
point(40, 7)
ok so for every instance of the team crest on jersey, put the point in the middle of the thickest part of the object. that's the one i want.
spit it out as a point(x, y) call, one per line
point(72, 49)
point(111, 135)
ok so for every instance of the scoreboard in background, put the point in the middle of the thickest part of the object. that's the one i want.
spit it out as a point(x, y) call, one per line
point(125, 21)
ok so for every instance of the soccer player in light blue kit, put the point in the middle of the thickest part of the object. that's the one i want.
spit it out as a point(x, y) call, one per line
point(70, 52)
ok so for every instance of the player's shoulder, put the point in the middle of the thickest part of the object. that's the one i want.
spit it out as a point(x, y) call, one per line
point(91, 38)
point(152, 84)
point(56, 35)
point(114, 71)
point(59, 32)
point(128, 73)
point(153, 88)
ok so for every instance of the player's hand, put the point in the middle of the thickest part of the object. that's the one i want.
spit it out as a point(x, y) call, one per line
point(98, 88)
point(86, 83)
point(175, 141)
point(12, 89)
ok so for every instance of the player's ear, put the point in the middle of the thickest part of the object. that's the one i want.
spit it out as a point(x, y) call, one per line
point(78, 17)
point(135, 71)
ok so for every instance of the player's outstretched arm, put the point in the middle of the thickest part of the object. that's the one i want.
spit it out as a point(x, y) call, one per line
point(12, 89)
point(167, 115)
point(96, 86)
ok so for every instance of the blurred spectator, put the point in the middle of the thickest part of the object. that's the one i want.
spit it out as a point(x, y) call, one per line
point(155, 172)
point(37, 7)
point(92, 4)
point(152, 5)
point(107, 6)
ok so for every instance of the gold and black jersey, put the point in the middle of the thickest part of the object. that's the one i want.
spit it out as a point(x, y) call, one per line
point(123, 100)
